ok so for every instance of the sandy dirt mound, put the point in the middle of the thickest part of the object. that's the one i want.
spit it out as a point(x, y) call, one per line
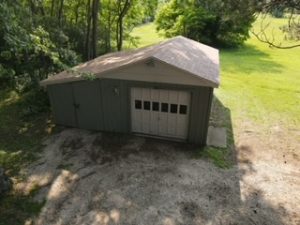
point(92, 178)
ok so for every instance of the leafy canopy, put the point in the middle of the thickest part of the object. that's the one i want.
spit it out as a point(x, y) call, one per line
point(214, 22)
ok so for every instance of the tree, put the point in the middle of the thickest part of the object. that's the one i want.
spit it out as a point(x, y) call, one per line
point(92, 29)
point(122, 9)
point(41, 37)
point(216, 22)
point(95, 11)
point(291, 30)
point(27, 53)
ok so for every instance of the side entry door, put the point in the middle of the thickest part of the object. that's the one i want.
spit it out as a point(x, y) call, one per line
point(63, 110)
point(87, 104)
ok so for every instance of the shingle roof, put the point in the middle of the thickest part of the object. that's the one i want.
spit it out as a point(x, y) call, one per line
point(180, 52)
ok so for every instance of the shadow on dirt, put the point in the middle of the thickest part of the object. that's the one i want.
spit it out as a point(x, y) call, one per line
point(105, 178)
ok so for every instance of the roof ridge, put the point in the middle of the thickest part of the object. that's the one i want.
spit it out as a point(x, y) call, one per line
point(181, 52)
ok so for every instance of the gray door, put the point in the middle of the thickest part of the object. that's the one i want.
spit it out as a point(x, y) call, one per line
point(63, 110)
point(111, 98)
point(88, 105)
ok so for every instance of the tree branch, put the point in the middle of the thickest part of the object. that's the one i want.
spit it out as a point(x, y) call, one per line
point(261, 36)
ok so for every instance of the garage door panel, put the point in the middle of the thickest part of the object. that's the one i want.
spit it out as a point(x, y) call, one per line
point(162, 112)
point(163, 95)
point(184, 98)
point(146, 94)
point(172, 124)
point(173, 96)
point(154, 95)
point(146, 121)
point(154, 123)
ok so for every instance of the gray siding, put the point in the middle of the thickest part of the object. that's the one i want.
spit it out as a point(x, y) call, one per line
point(89, 110)
point(108, 101)
point(200, 112)
point(114, 99)
point(61, 99)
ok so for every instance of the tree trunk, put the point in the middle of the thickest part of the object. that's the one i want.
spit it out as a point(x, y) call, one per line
point(95, 28)
point(52, 7)
point(122, 13)
point(41, 6)
point(32, 7)
point(60, 12)
point(87, 39)
point(77, 11)
point(120, 34)
point(108, 36)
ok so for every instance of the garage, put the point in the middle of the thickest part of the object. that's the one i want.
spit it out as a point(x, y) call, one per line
point(163, 91)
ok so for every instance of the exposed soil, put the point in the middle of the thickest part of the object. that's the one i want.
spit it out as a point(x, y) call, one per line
point(93, 178)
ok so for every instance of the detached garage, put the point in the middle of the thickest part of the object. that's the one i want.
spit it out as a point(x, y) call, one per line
point(164, 90)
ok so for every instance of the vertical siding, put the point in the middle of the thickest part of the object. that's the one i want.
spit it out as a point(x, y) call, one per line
point(201, 102)
point(61, 99)
point(210, 98)
point(88, 99)
point(114, 99)
point(111, 110)
point(125, 107)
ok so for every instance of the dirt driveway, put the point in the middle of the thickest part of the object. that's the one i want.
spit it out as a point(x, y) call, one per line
point(93, 178)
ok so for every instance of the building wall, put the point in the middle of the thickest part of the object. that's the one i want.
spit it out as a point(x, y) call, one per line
point(105, 105)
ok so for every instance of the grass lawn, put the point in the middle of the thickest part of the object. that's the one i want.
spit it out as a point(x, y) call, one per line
point(21, 135)
point(259, 84)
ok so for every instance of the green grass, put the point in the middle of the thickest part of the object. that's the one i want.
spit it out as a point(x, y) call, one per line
point(146, 35)
point(21, 132)
point(216, 155)
point(259, 84)
point(21, 135)
point(17, 208)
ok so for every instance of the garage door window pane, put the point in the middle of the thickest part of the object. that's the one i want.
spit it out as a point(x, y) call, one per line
point(155, 106)
point(173, 108)
point(183, 109)
point(164, 107)
point(138, 104)
point(146, 105)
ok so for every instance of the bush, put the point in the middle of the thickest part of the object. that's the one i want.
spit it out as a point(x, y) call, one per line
point(35, 101)
point(218, 23)
point(278, 12)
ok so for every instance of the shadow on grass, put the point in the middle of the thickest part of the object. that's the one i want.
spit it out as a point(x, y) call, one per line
point(21, 133)
point(20, 143)
point(248, 59)
point(220, 116)
point(16, 209)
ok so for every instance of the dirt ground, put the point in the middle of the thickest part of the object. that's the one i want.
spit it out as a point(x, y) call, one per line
point(93, 178)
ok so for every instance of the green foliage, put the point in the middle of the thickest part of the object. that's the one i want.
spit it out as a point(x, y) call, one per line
point(15, 209)
point(218, 23)
point(278, 12)
point(27, 52)
point(259, 86)
point(38, 38)
point(24, 122)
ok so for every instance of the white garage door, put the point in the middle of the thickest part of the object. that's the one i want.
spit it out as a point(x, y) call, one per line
point(160, 112)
